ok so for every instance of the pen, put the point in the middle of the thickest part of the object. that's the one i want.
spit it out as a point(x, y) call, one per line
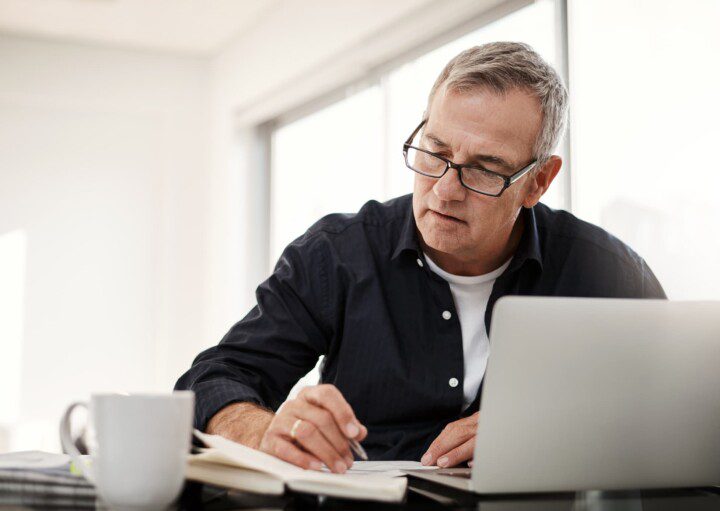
point(357, 449)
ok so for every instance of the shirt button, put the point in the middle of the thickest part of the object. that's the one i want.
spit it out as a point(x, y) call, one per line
point(453, 382)
point(446, 315)
point(420, 263)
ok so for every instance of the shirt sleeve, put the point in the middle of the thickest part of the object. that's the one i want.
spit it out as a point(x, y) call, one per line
point(650, 286)
point(275, 344)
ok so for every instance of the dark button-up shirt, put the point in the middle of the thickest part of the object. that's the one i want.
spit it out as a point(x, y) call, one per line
point(352, 289)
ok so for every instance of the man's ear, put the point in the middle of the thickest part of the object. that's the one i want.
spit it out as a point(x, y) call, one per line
point(540, 180)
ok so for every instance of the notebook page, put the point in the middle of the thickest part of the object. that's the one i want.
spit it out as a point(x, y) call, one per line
point(231, 453)
point(367, 486)
point(382, 467)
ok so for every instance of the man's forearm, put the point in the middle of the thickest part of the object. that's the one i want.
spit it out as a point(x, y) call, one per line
point(244, 423)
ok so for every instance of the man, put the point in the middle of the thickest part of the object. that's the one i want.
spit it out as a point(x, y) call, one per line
point(399, 297)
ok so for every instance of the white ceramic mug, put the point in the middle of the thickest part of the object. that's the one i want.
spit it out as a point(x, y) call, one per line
point(142, 442)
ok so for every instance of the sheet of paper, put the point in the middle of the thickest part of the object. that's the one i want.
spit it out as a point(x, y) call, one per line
point(34, 460)
point(387, 468)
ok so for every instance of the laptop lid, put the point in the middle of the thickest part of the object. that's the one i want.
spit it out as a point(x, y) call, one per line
point(585, 393)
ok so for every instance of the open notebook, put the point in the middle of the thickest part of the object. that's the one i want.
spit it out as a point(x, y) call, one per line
point(232, 465)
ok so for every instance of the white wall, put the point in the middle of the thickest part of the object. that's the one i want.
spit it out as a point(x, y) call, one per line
point(102, 160)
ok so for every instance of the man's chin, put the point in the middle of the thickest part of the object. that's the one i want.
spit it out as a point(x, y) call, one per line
point(442, 243)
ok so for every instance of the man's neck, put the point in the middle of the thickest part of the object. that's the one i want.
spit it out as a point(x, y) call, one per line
point(484, 259)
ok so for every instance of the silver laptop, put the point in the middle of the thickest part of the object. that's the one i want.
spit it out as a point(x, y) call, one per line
point(597, 394)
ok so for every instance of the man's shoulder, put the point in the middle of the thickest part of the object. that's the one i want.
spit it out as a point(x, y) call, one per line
point(375, 224)
point(560, 228)
point(603, 265)
point(372, 213)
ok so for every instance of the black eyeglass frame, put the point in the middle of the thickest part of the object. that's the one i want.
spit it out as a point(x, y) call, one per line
point(507, 180)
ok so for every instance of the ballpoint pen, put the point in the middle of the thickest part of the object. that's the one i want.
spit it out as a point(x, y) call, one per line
point(357, 449)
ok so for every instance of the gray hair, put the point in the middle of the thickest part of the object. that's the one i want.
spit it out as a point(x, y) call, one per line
point(502, 66)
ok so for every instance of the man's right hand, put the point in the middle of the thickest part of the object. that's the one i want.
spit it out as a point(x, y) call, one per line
point(323, 423)
point(326, 422)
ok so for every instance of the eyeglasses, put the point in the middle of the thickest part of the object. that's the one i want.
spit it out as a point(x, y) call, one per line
point(477, 179)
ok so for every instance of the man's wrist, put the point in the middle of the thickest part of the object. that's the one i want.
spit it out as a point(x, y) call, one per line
point(243, 422)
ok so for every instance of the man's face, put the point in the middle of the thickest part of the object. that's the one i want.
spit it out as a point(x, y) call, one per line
point(469, 128)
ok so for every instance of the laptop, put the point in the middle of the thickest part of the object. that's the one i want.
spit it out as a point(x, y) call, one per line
point(597, 394)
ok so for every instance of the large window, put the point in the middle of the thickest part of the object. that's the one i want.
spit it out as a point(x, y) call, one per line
point(643, 125)
point(343, 155)
point(644, 109)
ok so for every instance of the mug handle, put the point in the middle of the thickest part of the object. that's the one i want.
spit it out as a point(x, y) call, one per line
point(68, 444)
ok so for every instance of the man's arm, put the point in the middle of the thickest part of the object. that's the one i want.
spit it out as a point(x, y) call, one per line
point(245, 423)
point(241, 382)
point(650, 287)
point(274, 345)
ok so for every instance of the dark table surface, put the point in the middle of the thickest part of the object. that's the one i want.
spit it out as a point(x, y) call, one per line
point(423, 495)
point(427, 496)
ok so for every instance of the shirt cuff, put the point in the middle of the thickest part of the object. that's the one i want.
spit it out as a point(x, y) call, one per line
point(213, 396)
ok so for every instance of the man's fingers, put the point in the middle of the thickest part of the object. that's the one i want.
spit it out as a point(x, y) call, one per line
point(456, 456)
point(325, 422)
point(287, 451)
point(455, 434)
point(309, 437)
point(444, 443)
point(330, 398)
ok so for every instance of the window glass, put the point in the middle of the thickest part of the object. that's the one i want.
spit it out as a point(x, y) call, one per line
point(327, 162)
point(645, 99)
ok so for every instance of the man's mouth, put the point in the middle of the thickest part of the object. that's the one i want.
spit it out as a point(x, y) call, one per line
point(446, 217)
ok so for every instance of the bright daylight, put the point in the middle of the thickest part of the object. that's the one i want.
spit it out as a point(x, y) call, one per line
point(409, 254)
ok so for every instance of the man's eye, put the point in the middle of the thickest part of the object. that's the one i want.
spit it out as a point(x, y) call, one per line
point(431, 149)
point(479, 166)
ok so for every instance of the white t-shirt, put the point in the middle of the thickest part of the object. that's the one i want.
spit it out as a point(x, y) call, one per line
point(471, 295)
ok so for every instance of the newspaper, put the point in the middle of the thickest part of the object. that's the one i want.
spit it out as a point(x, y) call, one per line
point(41, 478)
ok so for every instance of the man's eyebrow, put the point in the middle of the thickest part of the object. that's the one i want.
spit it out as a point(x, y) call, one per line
point(437, 141)
point(486, 158)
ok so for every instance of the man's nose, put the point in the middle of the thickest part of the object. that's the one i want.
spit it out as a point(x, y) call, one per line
point(449, 187)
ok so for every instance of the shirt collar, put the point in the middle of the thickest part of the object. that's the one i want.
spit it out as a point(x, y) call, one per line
point(528, 248)
point(408, 240)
